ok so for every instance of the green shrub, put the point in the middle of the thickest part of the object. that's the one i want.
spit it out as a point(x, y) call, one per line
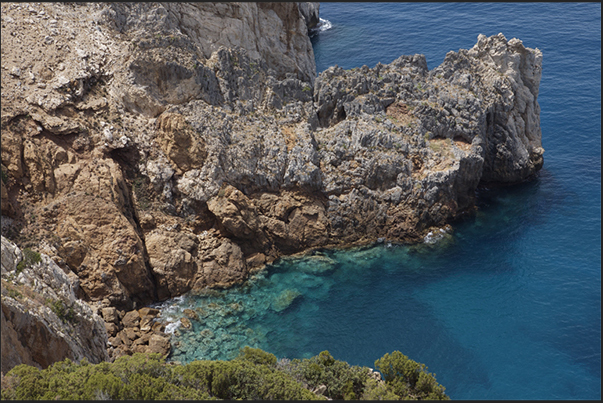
point(29, 259)
point(408, 378)
point(374, 390)
point(64, 312)
point(257, 356)
point(253, 375)
point(341, 379)
point(241, 379)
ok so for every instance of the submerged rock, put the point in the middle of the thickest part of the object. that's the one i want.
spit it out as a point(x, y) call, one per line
point(191, 314)
point(207, 333)
point(284, 300)
point(315, 264)
point(186, 324)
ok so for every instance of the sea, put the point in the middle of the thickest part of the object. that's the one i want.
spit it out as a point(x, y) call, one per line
point(505, 306)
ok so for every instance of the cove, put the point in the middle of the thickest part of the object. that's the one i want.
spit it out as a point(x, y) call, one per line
point(475, 306)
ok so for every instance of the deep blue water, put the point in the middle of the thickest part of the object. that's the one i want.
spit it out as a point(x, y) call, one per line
point(508, 306)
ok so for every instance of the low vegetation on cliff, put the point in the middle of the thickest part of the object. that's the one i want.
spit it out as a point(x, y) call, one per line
point(254, 374)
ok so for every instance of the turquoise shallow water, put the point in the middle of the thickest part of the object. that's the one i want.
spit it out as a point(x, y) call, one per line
point(507, 306)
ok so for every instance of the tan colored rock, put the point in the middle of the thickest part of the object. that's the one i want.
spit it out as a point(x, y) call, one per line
point(115, 341)
point(146, 311)
point(140, 348)
point(158, 327)
point(131, 319)
point(170, 256)
point(37, 168)
point(123, 336)
point(146, 324)
point(123, 350)
point(186, 324)
point(236, 213)
point(159, 344)
point(147, 222)
point(256, 261)
point(5, 204)
point(184, 147)
point(132, 333)
point(223, 263)
point(11, 146)
point(110, 314)
point(309, 225)
point(111, 328)
point(191, 314)
point(142, 340)
point(106, 252)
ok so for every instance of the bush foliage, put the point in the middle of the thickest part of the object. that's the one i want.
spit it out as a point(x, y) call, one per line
point(30, 258)
point(253, 375)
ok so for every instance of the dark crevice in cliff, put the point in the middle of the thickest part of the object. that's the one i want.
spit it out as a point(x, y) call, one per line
point(128, 159)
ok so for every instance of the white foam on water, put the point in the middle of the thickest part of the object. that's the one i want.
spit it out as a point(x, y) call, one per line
point(171, 327)
point(432, 237)
point(323, 25)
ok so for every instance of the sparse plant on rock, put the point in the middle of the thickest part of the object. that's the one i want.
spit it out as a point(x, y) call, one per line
point(30, 258)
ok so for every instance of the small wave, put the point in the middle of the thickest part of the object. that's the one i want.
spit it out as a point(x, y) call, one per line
point(322, 25)
point(434, 236)
point(171, 327)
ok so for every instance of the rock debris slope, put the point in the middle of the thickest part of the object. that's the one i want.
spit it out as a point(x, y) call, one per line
point(154, 148)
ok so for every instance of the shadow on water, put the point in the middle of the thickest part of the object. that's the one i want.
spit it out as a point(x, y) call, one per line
point(514, 208)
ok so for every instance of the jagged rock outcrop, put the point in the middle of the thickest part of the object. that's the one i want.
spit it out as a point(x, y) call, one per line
point(154, 148)
point(42, 319)
point(310, 12)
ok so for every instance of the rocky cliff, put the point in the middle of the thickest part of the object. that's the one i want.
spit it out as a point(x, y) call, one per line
point(154, 148)
point(42, 319)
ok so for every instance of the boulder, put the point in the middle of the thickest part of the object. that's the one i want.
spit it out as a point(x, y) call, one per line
point(131, 319)
point(285, 299)
point(159, 344)
point(146, 311)
point(110, 315)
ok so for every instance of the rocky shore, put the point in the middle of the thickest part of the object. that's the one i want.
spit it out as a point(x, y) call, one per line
point(152, 149)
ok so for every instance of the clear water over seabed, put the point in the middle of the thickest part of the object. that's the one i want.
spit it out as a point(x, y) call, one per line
point(507, 306)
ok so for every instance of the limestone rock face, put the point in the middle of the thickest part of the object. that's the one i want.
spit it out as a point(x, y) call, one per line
point(310, 12)
point(274, 32)
point(151, 149)
point(42, 319)
point(505, 75)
